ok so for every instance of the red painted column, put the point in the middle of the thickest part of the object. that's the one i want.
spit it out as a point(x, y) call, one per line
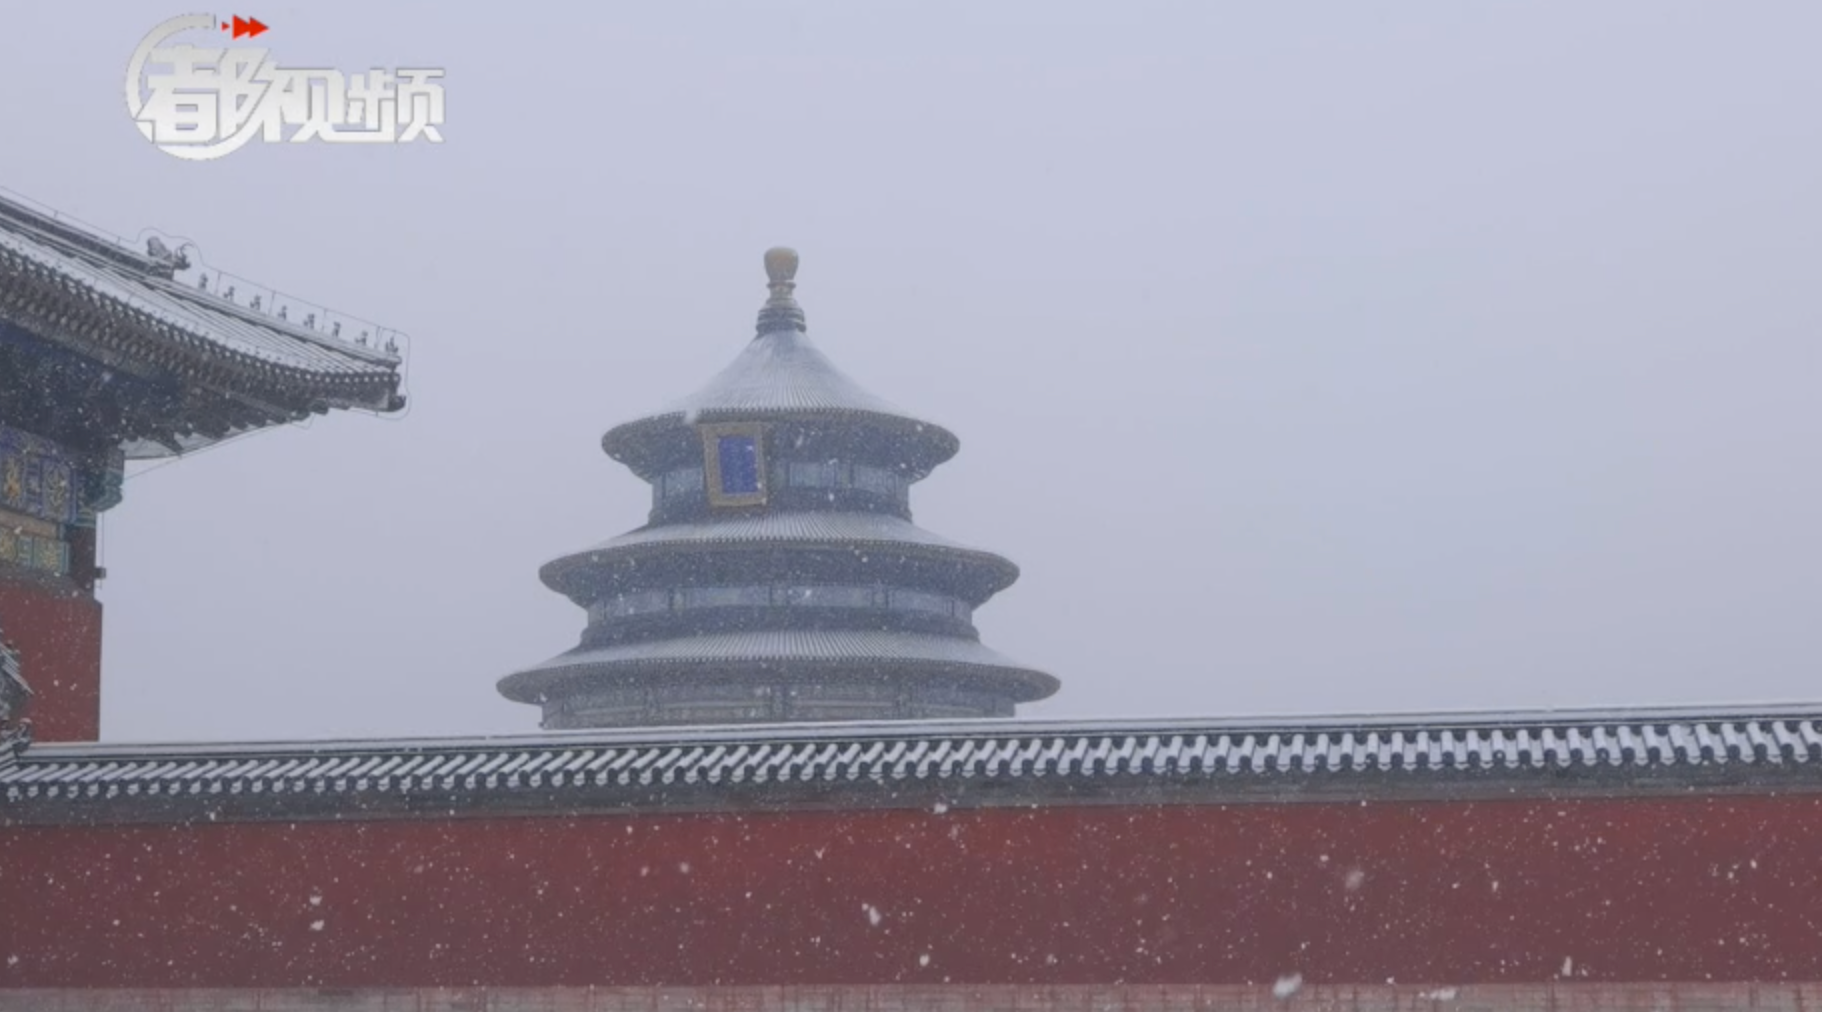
point(56, 627)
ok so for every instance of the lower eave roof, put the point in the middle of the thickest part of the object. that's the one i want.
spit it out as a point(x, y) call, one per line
point(791, 649)
point(907, 764)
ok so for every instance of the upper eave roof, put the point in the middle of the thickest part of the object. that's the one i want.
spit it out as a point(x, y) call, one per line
point(985, 762)
point(780, 374)
point(783, 372)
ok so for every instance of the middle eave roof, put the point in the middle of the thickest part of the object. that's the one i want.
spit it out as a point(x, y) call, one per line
point(813, 529)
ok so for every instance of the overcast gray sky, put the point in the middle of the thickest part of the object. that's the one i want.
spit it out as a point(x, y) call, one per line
point(1308, 358)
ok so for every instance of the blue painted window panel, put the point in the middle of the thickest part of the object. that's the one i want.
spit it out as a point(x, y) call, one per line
point(838, 597)
point(811, 475)
point(757, 596)
point(874, 479)
point(642, 603)
point(684, 481)
point(917, 600)
point(722, 597)
point(739, 459)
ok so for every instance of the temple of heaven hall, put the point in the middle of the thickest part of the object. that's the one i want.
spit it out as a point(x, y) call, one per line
point(779, 577)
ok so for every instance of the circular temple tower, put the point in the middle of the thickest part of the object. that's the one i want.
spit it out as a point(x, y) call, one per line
point(780, 577)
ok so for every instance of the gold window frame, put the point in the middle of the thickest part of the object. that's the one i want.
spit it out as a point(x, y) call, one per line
point(711, 461)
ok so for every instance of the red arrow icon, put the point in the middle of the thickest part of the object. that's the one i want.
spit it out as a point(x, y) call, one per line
point(247, 27)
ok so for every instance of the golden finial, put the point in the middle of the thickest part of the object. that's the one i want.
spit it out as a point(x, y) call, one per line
point(781, 264)
point(781, 310)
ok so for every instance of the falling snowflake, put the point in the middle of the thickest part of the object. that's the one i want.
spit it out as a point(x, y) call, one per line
point(923, 960)
point(872, 912)
point(316, 925)
point(316, 901)
point(1440, 994)
point(940, 808)
point(1355, 880)
point(1287, 985)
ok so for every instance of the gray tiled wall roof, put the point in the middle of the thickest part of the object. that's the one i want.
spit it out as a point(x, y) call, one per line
point(863, 765)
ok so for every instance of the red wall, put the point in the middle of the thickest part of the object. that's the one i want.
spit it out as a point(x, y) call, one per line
point(1552, 997)
point(1452, 893)
point(58, 633)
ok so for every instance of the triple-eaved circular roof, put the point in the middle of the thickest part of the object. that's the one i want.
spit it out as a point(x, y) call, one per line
point(783, 379)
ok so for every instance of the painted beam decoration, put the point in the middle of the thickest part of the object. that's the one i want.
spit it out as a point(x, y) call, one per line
point(39, 494)
point(37, 477)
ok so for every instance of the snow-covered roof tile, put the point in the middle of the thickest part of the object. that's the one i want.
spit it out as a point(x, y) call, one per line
point(899, 764)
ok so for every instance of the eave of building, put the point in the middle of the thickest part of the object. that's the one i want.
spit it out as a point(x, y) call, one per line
point(96, 399)
point(86, 293)
point(779, 375)
point(573, 575)
point(807, 654)
point(191, 327)
point(1443, 757)
point(646, 446)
